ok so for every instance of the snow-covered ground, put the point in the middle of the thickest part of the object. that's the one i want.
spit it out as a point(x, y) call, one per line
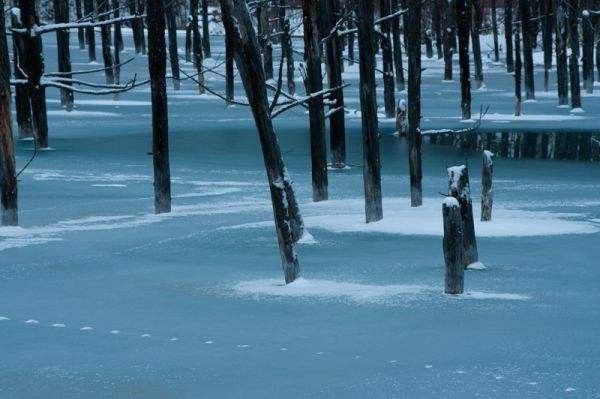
point(102, 298)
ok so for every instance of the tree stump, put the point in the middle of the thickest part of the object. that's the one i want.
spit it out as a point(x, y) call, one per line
point(453, 247)
point(487, 199)
point(458, 187)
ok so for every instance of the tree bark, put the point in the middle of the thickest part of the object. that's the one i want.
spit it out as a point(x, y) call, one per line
point(463, 22)
point(205, 30)
point(414, 103)
point(8, 178)
point(238, 25)
point(526, 28)
point(508, 33)
point(157, 67)
point(453, 247)
point(368, 104)
point(173, 53)
point(61, 15)
point(90, 36)
point(312, 57)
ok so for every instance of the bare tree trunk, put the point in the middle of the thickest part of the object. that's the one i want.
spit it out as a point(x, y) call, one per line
point(573, 59)
point(518, 70)
point(229, 80)
point(90, 36)
point(351, 40)
point(188, 42)
point(80, 31)
point(414, 103)
point(463, 22)
point(288, 54)
point(8, 178)
point(238, 25)
point(318, 146)
point(22, 103)
point(487, 199)
point(205, 30)
point(588, 47)
point(118, 47)
point(105, 38)
point(561, 53)
point(397, 48)
point(61, 15)
point(453, 247)
point(449, 28)
point(173, 53)
point(458, 187)
point(197, 45)
point(547, 25)
point(264, 31)
point(368, 104)
point(33, 66)
point(140, 8)
point(388, 62)
point(495, 31)
point(526, 28)
point(475, 28)
point(508, 32)
point(136, 26)
point(436, 21)
point(157, 67)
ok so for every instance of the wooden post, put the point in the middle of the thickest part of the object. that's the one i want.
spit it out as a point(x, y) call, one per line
point(90, 36)
point(487, 198)
point(368, 105)
point(205, 30)
point(314, 83)
point(8, 178)
point(458, 187)
point(453, 247)
point(463, 22)
point(414, 103)
point(238, 25)
point(173, 53)
point(508, 33)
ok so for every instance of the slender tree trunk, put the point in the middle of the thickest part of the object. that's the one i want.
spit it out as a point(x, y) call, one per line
point(90, 36)
point(229, 80)
point(140, 7)
point(318, 146)
point(105, 38)
point(368, 104)
point(118, 35)
point(61, 15)
point(458, 182)
point(388, 62)
point(487, 199)
point(508, 32)
point(157, 67)
point(136, 26)
point(22, 103)
point(238, 24)
point(463, 21)
point(495, 31)
point(526, 28)
point(449, 9)
point(561, 53)
point(398, 67)
point(351, 25)
point(414, 103)
point(8, 178)
point(197, 45)
point(33, 66)
point(476, 44)
point(173, 54)
point(518, 70)
point(547, 25)
point(80, 31)
point(436, 21)
point(574, 57)
point(588, 47)
point(453, 247)
point(188, 42)
point(288, 54)
point(205, 30)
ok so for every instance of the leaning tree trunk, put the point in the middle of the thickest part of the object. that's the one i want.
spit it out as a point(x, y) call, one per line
point(197, 45)
point(463, 22)
point(238, 25)
point(587, 58)
point(547, 25)
point(107, 57)
point(90, 36)
point(8, 177)
point(368, 105)
point(495, 31)
point(173, 54)
point(561, 53)
point(448, 37)
point(398, 67)
point(205, 30)
point(33, 66)
point(22, 103)
point(508, 32)
point(388, 61)
point(414, 103)
point(573, 58)
point(157, 67)
point(526, 29)
point(61, 15)
point(313, 83)
point(80, 31)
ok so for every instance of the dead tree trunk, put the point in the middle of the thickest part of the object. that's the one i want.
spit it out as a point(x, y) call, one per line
point(368, 105)
point(453, 247)
point(547, 25)
point(197, 45)
point(205, 30)
point(458, 187)
point(288, 54)
point(527, 49)
point(137, 26)
point(508, 33)
point(574, 57)
point(587, 59)
point(229, 79)
point(105, 38)
point(463, 22)
point(8, 177)
point(388, 61)
point(561, 53)
point(140, 8)
point(476, 44)
point(264, 31)
point(157, 67)
point(188, 42)
point(351, 39)
point(238, 25)
point(449, 35)
point(436, 22)
point(487, 199)
point(414, 103)
point(33, 66)
point(22, 103)
point(518, 70)
point(80, 31)
point(118, 35)
point(495, 31)
point(61, 15)
point(90, 36)
point(397, 48)
point(173, 53)
point(314, 83)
